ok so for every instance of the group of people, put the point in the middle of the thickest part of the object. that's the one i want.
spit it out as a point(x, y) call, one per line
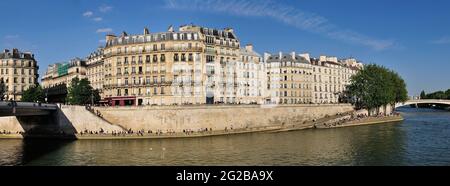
point(9, 132)
point(355, 117)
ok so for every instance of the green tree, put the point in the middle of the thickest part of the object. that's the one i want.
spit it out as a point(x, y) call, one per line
point(447, 94)
point(33, 94)
point(81, 92)
point(96, 96)
point(423, 95)
point(376, 86)
point(2, 90)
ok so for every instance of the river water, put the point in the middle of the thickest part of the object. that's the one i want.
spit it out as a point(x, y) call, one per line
point(422, 139)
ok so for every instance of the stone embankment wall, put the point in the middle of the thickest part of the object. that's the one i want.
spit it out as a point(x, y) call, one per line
point(216, 117)
point(69, 119)
point(10, 124)
point(81, 119)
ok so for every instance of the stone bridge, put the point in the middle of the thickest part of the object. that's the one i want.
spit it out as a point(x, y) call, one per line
point(49, 120)
point(26, 109)
point(424, 101)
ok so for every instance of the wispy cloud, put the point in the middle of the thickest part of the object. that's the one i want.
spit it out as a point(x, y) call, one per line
point(104, 30)
point(105, 8)
point(102, 41)
point(97, 19)
point(88, 14)
point(289, 15)
point(12, 36)
point(442, 40)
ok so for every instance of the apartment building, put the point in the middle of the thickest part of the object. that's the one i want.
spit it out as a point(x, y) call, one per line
point(63, 73)
point(94, 69)
point(331, 76)
point(18, 71)
point(166, 68)
point(288, 78)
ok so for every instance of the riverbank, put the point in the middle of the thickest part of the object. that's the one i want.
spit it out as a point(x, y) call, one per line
point(319, 124)
point(363, 121)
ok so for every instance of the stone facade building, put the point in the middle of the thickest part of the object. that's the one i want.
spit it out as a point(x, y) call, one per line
point(18, 71)
point(331, 76)
point(288, 79)
point(251, 77)
point(63, 73)
point(94, 70)
point(166, 68)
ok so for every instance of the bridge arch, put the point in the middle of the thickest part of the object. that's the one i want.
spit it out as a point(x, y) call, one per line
point(424, 101)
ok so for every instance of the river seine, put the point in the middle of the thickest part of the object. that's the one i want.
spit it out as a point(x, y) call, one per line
point(422, 139)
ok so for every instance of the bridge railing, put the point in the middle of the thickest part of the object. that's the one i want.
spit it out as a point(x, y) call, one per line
point(7, 104)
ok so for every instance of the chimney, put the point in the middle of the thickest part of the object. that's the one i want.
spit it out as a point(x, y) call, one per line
point(249, 47)
point(280, 55)
point(170, 29)
point(266, 56)
point(146, 31)
point(110, 37)
point(293, 55)
point(124, 34)
point(229, 30)
point(6, 51)
point(306, 56)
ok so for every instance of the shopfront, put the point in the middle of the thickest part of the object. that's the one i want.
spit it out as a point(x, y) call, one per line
point(122, 101)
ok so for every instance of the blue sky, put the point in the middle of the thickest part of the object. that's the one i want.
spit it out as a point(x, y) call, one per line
point(410, 36)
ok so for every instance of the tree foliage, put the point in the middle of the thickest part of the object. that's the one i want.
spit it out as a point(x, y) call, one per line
point(437, 95)
point(376, 86)
point(33, 94)
point(2, 90)
point(81, 92)
point(423, 95)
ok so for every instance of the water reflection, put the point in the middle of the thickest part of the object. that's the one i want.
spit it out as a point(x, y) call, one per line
point(22, 152)
point(412, 142)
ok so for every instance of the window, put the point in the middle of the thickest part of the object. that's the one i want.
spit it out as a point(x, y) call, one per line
point(175, 57)
point(155, 79)
point(163, 58)
point(155, 47)
point(183, 57)
point(163, 46)
point(155, 58)
point(147, 58)
point(190, 58)
point(163, 79)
